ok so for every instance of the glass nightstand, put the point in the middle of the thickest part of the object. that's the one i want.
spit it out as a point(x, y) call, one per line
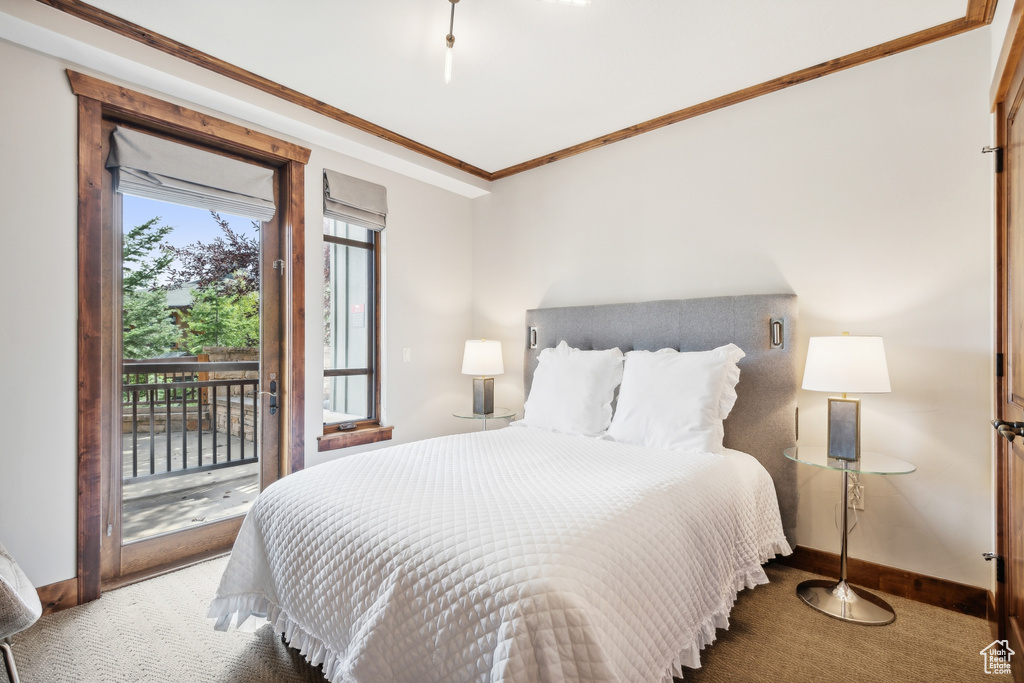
point(839, 600)
point(498, 414)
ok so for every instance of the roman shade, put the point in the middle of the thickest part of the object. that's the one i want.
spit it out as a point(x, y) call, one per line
point(355, 201)
point(156, 168)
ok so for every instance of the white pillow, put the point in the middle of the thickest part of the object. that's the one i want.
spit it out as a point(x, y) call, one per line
point(572, 390)
point(676, 401)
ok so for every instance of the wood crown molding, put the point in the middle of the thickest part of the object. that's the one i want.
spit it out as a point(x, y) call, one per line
point(125, 28)
point(870, 54)
point(143, 108)
point(958, 597)
point(979, 13)
point(1009, 55)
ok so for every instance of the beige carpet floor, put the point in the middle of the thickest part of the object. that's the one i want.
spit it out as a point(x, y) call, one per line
point(156, 631)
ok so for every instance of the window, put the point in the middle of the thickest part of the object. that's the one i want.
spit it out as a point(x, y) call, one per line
point(353, 220)
point(350, 337)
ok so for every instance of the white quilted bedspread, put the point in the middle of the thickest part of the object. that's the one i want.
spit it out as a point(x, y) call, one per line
point(512, 555)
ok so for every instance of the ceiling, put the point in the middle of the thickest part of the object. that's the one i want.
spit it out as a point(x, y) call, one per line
point(530, 77)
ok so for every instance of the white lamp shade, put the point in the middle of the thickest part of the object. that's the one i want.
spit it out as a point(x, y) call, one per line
point(482, 358)
point(847, 364)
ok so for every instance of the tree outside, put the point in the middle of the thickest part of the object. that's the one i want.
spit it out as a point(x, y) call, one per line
point(219, 320)
point(223, 276)
point(148, 327)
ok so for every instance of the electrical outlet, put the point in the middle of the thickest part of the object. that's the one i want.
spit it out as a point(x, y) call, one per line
point(855, 494)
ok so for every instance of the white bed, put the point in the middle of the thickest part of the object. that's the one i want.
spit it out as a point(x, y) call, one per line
point(541, 552)
point(509, 555)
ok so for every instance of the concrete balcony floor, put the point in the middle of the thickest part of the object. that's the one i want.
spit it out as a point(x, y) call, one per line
point(157, 506)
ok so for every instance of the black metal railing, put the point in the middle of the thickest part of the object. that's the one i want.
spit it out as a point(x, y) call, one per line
point(183, 393)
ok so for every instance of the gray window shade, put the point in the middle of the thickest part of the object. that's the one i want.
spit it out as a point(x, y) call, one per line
point(354, 201)
point(155, 168)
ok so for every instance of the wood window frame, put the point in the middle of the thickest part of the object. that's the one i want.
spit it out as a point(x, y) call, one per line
point(99, 100)
point(371, 430)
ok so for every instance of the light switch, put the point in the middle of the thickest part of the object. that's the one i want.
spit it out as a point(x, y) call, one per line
point(406, 355)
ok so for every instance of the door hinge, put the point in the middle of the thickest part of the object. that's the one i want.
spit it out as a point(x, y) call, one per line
point(998, 151)
point(999, 365)
point(1000, 565)
point(279, 263)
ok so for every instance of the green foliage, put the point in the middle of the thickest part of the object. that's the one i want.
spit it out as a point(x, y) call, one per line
point(224, 312)
point(222, 319)
point(142, 258)
point(149, 330)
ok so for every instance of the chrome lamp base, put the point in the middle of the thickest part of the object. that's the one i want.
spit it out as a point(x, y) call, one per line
point(839, 600)
point(483, 395)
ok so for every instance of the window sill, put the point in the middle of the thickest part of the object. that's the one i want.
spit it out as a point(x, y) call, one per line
point(359, 436)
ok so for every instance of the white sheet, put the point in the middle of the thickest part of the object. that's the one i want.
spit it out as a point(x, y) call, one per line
point(509, 555)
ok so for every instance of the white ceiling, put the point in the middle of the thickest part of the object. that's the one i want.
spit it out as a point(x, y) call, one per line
point(530, 77)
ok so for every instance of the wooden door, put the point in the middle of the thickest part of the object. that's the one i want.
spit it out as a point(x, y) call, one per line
point(190, 430)
point(1010, 400)
point(99, 360)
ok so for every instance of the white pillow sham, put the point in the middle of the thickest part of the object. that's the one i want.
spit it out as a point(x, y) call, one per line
point(572, 390)
point(676, 401)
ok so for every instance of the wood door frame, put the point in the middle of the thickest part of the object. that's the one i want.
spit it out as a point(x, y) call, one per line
point(99, 100)
point(1002, 452)
point(1007, 83)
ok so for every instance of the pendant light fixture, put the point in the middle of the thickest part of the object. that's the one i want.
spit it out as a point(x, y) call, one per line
point(449, 40)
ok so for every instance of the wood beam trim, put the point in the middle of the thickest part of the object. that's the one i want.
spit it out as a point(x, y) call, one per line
point(958, 597)
point(125, 28)
point(1009, 55)
point(90, 347)
point(137, 557)
point(979, 13)
point(295, 328)
point(870, 54)
point(360, 436)
point(164, 115)
point(58, 596)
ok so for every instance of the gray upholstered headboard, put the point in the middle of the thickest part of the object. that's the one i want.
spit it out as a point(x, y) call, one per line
point(763, 421)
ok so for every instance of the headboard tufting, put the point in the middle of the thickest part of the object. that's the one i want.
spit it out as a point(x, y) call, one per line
point(763, 421)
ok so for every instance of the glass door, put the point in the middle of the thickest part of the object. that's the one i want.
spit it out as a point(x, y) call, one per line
point(190, 431)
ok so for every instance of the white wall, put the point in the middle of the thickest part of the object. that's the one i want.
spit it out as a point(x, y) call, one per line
point(998, 27)
point(427, 293)
point(38, 310)
point(865, 194)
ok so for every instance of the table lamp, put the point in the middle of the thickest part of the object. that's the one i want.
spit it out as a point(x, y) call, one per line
point(482, 358)
point(846, 365)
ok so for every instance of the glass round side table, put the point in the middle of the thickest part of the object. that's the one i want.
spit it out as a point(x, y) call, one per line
point(498, 414)
point(839, 600)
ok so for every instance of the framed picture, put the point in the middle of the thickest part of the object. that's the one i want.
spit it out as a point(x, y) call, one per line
point(844, 428)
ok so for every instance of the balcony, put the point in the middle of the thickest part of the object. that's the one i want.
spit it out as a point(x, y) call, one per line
point(190, 450)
